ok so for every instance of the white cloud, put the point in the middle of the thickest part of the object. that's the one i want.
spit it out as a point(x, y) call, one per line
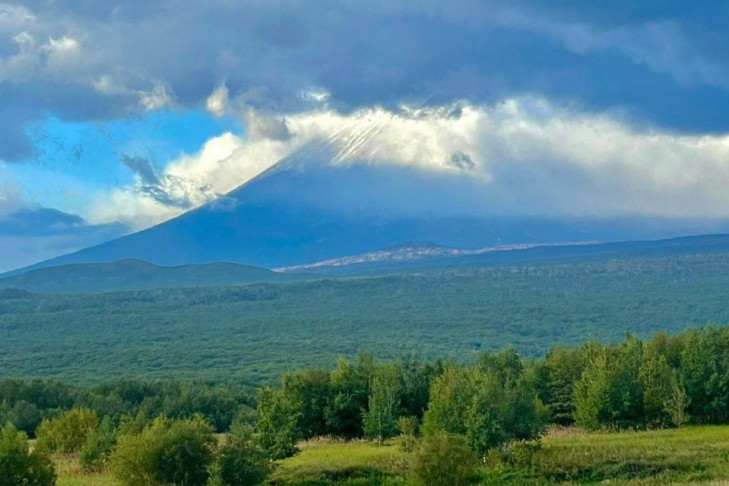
point(529, 158)
point(13, 17)
point(217, 102)
point(158, 97)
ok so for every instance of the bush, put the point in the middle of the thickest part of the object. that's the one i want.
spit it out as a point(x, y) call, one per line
point(443, 460)
point(165, 452)
point(95, 453)
point(240, 461)
point(67, 432)
point(408, 427)
point(18, 465)
point(520, 453)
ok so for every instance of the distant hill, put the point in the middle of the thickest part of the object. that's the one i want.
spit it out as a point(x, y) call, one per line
point(258, 332)
point(409, 257)
point(135, 275)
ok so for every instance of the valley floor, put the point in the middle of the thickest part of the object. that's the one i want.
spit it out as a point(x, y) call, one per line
point(692, 455)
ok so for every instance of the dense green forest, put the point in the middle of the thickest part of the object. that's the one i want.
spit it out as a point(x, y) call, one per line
point(255, 333)
point(453, 420)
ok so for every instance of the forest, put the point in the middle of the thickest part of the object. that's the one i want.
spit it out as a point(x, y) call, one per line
point(454, 423)
point(254, 334)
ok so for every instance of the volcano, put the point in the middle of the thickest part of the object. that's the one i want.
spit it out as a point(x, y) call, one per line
point(344, 196)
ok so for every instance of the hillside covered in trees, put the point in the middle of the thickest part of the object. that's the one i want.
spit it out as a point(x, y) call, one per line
point(255, 333)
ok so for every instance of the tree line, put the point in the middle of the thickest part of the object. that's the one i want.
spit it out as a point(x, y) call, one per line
point(25, 403)
point(665, 381)
point(502, 399)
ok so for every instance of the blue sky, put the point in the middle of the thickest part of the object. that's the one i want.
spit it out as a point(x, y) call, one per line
point(117, 115)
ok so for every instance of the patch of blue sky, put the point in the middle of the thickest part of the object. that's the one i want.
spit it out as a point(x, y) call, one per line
point(74, 160)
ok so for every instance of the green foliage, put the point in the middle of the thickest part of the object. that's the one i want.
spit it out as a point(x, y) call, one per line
point(489, 412)
point(310, 392)
point(677, 404)
point(166, 452)
point(329, 462)
point(19, 466)
point(256, 333)
point(97, 449)
point(561, 369)
point(350, 388)
point(656, 379)
point(443, 460)
point(240, 461)
point(69, 431)
point(380, 420)
point(277, 425)
point(610, 392)
point(408, 427)
point(24, 415)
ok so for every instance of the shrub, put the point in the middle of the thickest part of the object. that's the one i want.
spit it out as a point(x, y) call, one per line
point(18, 465)
point(95, 452)
point(240, 460)
point(443, 460)
point(165, 452)
point(408, 427)
point(67, 432)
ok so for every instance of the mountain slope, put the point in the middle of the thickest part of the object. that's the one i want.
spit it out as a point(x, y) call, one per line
point(415, 255)
point(342, 197)
point(137, 275)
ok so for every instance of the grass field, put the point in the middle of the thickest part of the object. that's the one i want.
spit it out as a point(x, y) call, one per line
point(70, 473)
point(693, 455)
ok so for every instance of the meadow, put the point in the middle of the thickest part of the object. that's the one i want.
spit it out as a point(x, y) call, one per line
point(255, 333)
point(690, 456)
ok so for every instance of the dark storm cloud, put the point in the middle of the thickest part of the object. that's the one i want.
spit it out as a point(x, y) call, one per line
point(656, 62)
point(143, 168)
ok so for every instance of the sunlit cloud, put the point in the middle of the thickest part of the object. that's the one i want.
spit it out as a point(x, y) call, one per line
point(528, 156)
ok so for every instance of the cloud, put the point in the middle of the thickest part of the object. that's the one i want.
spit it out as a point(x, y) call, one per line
point(218, 100)
point(659, 63)
point(262, 126)
point(158, 97)
point(29, 232)
point(143, 168)
point(520, 157)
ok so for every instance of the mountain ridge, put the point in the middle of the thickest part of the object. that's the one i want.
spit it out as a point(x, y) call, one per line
point(134, 274)
point(334, 198)
point(409, 257)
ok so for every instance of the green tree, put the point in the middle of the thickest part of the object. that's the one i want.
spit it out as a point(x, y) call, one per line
point(563, 369)
point(277, 426)
point(483, 408)
point(505, 365)
point(165, 452)
point(95, 452)
point(677, 404)
point(609, 392)
point(311, 392)
point(69, 431)
point(19, 466)
point(380, 420)
point(350, 392)
point(656, 379)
